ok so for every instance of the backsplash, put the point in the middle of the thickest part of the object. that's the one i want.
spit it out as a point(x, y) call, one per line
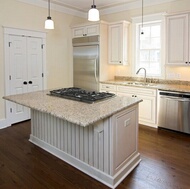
point(152, 80)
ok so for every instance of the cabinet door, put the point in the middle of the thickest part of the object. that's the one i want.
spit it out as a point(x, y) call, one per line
point(177, 40)
point(92, 30)
point(118, 44)
point(147, 108)
point(78, 32)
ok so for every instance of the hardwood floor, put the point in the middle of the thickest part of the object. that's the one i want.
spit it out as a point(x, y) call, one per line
point(165, 163)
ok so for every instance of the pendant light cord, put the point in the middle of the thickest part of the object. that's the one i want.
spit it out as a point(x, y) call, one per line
point(142, 32)
point(49, 8)
point(142, 14)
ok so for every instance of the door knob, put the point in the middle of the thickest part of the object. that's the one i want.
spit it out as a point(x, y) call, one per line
point(25, 83)
point(30, 82)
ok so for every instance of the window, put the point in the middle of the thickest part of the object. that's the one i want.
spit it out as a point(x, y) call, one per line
point(148, 48)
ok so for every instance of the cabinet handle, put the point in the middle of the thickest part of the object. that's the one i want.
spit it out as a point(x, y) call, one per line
point(25, 83)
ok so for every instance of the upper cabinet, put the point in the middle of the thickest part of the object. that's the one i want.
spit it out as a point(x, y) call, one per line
point(177, 40)
point(118, 43)
point(86, 30)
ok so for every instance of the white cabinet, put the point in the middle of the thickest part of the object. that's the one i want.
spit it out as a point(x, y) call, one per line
point(125, 144)
point(177, 40)
point(147, 108)
point(86, 30)
point(108, 88)
point(118, 43)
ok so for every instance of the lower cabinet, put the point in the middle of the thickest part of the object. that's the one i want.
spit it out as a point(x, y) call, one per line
point(147, 108)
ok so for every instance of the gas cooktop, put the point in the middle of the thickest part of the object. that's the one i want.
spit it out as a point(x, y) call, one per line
point(82, 95)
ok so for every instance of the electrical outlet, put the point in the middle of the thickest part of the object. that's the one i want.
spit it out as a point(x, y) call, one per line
point(171, 75)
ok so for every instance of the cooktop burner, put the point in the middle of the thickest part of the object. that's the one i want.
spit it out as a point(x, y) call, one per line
point(82, 95)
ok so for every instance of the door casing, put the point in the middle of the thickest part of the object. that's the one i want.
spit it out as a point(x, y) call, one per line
point(19, 32)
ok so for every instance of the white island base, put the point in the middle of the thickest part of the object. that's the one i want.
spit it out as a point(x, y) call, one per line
point(106, 150)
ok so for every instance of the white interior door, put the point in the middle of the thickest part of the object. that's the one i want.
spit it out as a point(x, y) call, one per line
point(25, 71)
point(18, 76)
point(34, 62)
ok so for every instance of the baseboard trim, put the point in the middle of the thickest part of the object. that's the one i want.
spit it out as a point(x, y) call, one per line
point(4, 124)
point(108, 180)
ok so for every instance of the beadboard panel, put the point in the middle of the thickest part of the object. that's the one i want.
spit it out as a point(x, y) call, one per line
point(89, 144)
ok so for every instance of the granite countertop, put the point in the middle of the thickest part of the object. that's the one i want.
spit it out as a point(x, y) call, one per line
point(75, 112)
point(161, 86)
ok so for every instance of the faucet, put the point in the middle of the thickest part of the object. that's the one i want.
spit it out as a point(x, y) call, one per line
point(144, 73)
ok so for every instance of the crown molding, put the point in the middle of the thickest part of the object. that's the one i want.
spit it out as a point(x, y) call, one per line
point(57, 6)
point(132, 5)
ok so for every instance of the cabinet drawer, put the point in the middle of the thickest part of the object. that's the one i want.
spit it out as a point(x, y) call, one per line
point(136, 90)
point(108, 87)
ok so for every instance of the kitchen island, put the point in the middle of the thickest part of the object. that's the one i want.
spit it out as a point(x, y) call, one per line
point(100, 139)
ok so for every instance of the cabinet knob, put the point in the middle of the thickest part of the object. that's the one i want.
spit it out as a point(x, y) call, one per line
point(25, 83)
point(120, 62)
point(30, 82)
point(186, 62)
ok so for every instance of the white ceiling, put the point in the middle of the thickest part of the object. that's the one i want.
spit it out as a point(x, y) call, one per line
point(81, 7)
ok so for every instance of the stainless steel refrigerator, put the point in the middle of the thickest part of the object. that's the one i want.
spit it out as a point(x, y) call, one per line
point(86, 63)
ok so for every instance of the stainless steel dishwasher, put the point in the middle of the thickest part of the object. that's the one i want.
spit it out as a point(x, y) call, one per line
point(174, 111)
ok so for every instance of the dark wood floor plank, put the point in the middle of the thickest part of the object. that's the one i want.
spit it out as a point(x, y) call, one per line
point(165, 163)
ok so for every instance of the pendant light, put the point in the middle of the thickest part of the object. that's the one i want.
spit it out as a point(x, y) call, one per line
point(49, 24)
point(142, 32)
point(93, 13)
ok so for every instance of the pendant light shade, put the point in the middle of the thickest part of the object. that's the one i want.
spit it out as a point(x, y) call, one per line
point(93, 13)
point(49, 24)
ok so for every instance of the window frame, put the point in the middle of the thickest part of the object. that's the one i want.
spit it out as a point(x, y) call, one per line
point(136, 21)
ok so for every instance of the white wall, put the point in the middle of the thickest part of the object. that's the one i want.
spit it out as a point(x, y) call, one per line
point(59, 50)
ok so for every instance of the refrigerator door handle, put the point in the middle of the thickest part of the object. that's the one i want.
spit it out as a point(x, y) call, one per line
point(95, 71)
